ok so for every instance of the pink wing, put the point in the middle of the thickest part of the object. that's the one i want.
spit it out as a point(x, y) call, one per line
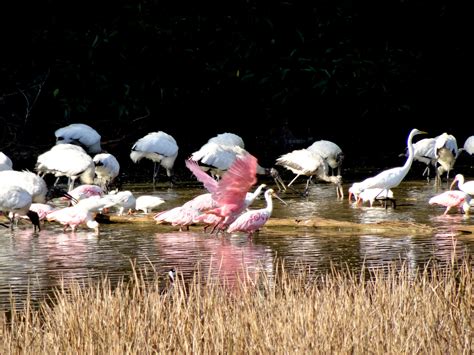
point(234, 185)
point(209, 183)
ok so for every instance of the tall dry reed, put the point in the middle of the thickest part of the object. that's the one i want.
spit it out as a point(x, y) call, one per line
point(393, 311)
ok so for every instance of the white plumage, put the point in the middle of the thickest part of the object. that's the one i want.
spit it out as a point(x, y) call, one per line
point(469, 145)
point(107, 169)
point(5, 162)
point(159, 147)
point(123, 200)
point(308, 163)
point(218, 158)
point(67, 160)
point(227, 139)
point(32, 183)
point(467, 187)
point(147, 203)
point(330, 152)
point(15, 200)
point(390, 178)
point(79, 134)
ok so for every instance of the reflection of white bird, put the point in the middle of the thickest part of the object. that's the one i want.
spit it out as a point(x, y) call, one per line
point(308, 163)
point(159, 147)
point(330, 152)
point(467, 187)
point(67, 160)
point(390, 178)
point(107, 169)
point(218, 158)
point(79, 134)
point(5, 162)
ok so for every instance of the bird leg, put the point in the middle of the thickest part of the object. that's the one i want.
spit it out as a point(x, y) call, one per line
point(447, 209)
point(307, 186)
point(292, 181)
point(156, 169)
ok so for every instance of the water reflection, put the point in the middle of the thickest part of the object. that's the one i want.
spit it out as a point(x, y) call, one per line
point(38, 262)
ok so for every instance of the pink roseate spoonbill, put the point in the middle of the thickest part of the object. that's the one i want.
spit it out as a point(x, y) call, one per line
point(450, 199)
point(330, 152)
point(467, 187)
point(231, 192)
point(79, 134)
point(107, 169)
point(218, 158)
point(391, 178)
point(251, 221)
point(84, 191)
point(73, 217)
point(5, 162)
point(159, 147)
point(17, 201)
point(308, 163)
point(231, 139)
point(147, 203)
point(67, 160)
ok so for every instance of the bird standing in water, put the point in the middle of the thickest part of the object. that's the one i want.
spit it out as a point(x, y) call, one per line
point(251, 221)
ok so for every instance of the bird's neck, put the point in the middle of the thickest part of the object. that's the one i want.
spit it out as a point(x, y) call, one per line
point(411, 153)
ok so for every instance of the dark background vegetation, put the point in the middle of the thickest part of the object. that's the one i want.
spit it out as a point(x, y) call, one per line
point(279, 73)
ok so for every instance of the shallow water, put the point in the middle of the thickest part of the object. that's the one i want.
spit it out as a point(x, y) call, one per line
point(37, 262)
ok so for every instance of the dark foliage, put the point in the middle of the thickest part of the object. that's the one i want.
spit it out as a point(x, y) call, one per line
point(279, 73)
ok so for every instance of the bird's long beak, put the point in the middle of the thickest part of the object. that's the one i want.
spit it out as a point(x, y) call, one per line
point(452, 184)
point(279, 183)
point(278, 198)
point(70, 198)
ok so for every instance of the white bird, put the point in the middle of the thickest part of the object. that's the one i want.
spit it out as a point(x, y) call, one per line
point(79, 134)
point(390, 178)
point(5, 162)
point(469, 145)
point(159, 147)
point(446, 153)
point(467, 187)
point(308, 163)
point(330, 152)
point(218, 158)
point(375, 194)
point(32, 183)
point(424, 152)
point(67, 160)
point(17, 201)
point(107, 169)
point(147, 203)
point(228, 139)
point(124, 200)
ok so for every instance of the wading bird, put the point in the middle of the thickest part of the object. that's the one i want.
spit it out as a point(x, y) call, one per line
point(467, 187)
point(160, 148)
point(5, 162)
point(307, 163)
point(79, 134)
point(330, 152)
point(217, 159)
point(251, 221)
point(450, 199)
point(107, 169)
point(390, 178)
point(15, 201)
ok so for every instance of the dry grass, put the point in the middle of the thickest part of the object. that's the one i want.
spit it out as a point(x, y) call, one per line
point(393, 311)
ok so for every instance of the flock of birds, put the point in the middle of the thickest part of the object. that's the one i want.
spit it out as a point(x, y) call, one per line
point(222, 165)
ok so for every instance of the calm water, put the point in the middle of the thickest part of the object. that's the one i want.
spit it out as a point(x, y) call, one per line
point(38, 262)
